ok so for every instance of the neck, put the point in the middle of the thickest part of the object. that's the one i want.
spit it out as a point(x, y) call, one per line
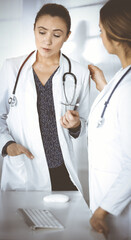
point(125, 58)
point(126, 62)
point(53, 60)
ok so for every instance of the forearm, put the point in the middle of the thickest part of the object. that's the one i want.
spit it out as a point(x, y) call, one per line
point(119, 195)
point(4, 138)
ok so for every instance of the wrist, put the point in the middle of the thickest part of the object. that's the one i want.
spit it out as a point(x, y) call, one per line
point(101, 212)
point(4, 150)
point(76, 127)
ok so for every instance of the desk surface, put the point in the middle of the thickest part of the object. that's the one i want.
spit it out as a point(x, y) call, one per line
point(74, 215)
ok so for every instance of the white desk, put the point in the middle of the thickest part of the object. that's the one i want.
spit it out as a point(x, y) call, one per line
point(74, 215)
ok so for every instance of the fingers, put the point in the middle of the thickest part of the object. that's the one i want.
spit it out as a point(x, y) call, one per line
point(27, 152)
point(101, 227)
point(93, 68)
point(98, 221)
point(97, 76)
point(73, 112)
point(70, 119)
point(71, 115)
point(64, 122)
point(15, 149)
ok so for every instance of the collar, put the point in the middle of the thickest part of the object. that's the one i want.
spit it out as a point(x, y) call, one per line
point(33, 58)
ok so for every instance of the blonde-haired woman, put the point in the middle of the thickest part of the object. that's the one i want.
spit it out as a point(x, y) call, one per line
point(110, 138)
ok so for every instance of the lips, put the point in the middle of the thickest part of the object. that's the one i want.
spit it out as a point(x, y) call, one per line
point(46, 49)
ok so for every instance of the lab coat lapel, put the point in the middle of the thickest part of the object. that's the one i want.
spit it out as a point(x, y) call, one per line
point(107, 89)
point(31, 112)
point(100, 96)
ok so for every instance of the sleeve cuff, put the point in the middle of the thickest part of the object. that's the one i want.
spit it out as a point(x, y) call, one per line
point(4, 153)
point(75, 132)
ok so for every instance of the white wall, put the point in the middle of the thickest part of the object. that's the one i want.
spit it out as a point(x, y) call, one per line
point(84, 45)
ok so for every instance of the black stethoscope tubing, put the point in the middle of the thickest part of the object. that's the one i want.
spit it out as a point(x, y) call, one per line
point(75, 83)
point(108, 100)
point(17, 78)
point(13, 101)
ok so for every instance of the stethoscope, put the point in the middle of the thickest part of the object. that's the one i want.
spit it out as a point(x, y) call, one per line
point(101, 120)
point(69, 103)
point(13, 100)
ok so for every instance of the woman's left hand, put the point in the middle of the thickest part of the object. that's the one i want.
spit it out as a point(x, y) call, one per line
point(71, 119)
point(98, 221)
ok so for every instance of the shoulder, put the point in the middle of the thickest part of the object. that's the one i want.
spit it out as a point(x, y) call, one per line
point(15, 62)
point(123, 93)
point(76, 67)
point(125, 85)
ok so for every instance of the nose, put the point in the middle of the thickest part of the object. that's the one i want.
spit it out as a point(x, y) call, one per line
point(48, 39)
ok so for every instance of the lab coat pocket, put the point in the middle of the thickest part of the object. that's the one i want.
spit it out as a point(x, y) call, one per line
point(16, 170)
point(14, 176)
point(17, 161)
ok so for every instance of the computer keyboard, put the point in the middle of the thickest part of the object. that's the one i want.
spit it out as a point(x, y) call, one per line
point(38, 218)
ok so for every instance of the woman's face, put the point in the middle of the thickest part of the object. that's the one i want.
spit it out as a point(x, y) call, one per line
point(108, 43)
point(50, 34)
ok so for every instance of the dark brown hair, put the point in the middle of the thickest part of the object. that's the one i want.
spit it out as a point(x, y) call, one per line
point(55, 10)
point(115, 17)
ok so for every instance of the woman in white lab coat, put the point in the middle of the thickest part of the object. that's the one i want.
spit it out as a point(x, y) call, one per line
point(110, 138)
point(36, 134)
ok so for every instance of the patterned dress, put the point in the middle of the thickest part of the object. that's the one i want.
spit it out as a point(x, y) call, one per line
point(45, 104)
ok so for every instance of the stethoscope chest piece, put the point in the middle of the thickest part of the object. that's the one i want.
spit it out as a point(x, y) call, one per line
point(12, 101)
point(100, 122)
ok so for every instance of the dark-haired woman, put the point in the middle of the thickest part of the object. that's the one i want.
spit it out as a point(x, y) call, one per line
point(36, 134)
point(109, 131)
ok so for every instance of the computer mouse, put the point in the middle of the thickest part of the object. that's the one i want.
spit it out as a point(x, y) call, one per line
point(56, 198)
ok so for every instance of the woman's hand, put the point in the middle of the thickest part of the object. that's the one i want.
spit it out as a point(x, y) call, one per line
point(97, 76)
point(15, 149)
point(98, 222)
point(70, 119)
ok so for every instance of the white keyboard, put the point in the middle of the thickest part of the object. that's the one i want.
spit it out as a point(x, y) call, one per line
point(38, 218)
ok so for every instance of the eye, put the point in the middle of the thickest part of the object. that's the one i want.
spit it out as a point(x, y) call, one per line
point(55, 35)
point(42, 33)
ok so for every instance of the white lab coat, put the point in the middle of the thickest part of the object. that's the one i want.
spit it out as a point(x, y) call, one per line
point(109, 149)
point(21, 123)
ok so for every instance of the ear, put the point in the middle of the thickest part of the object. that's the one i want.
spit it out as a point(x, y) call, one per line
point(68, 36)
point(116, 43)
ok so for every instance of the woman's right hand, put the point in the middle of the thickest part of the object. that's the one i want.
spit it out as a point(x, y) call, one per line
point(97, 76)
point(15, 149)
